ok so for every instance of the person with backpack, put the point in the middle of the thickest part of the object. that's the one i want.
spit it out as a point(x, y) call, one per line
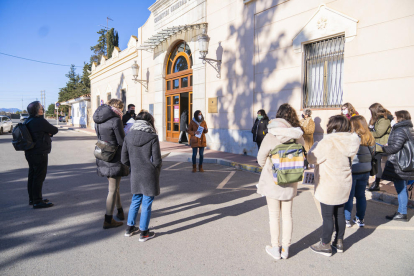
point(110, 129)
point(259, 129)
point(380, 125)
point(37, 157)
point(361, 167)
point(400, 164)
point(333, 180)
point(284, 134)
point(141, 152)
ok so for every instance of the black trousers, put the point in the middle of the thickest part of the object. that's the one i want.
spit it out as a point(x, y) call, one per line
point(329, 213)
point(37, 174)
point(379, 156)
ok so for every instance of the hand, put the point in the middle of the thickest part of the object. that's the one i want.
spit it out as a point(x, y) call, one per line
point(50, 134)
point(197, 133)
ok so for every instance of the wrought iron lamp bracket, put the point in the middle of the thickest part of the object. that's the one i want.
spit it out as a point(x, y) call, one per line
point(142, 82)
point(215, 63)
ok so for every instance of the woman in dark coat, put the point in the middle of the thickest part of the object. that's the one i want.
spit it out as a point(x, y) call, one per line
point(109, 128)
point(142, 153)
point(402, 132)
point(259, 129)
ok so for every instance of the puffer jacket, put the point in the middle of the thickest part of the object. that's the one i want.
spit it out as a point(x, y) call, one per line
point(333, 176)
point(396, 141)
point(110, 128)
point(362, 160)
point(381, 132)
point(260, 130)
point(279, 132)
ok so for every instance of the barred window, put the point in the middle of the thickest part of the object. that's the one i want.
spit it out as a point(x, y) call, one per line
point(324, 68)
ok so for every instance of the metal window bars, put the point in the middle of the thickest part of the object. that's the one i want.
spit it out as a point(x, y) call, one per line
point(323, 74)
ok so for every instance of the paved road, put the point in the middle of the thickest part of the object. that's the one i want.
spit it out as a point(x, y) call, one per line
point(205, 224)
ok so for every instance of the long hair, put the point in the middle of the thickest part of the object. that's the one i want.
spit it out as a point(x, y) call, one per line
point(146, 116)
point(350, 107)
point(196, 116)
point(117, 103)
point(360, 126)
point(338, 123)
point(289, 114)
point(263, 113)
point(377, 111)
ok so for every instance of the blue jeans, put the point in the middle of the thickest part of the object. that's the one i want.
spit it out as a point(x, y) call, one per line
point(136, 201)
point(359, 183)
point(401, 188)
point(201, 151)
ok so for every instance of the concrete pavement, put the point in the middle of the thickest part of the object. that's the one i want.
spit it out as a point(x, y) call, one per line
point(206, 224)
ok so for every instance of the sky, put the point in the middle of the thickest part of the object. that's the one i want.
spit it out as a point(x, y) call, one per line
point(57, 32)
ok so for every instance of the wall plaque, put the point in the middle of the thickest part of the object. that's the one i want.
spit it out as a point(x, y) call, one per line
point(212, 105)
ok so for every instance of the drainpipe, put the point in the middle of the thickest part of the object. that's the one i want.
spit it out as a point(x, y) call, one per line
point(141, 71)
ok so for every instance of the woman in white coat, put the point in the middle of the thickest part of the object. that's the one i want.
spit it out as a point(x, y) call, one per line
point(333, 179)
point(279, 198)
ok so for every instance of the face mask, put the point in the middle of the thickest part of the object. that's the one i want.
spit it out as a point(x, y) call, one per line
point(200, 117)
point(345, 111)
point(132, 111)
point(259, 117)
point(393, 122)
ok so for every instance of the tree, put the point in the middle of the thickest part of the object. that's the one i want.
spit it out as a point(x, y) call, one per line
point(112, 41)
point(51, 109)
point(71, 89)
point(99, 49)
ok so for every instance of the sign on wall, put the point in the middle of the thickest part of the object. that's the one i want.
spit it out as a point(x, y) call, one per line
point(213, 105)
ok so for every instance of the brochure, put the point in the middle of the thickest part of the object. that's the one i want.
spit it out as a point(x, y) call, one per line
point(129, 125)
point(200, 129)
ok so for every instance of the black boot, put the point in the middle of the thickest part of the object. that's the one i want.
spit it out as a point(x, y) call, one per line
point(397, 216)
point(120, 215)
point(375, 186)
point(109, 222)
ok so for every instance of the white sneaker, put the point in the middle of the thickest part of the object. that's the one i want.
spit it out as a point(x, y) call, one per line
point(348, 223)
point(360, 223)
point(273, 251)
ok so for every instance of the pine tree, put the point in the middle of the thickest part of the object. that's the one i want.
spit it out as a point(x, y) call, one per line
point(112, 41)
point(99, 49)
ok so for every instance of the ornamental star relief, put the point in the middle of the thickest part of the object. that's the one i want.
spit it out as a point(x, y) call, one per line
point(322, 23)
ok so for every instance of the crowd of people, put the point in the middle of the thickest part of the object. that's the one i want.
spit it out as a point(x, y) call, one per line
point(344, 159)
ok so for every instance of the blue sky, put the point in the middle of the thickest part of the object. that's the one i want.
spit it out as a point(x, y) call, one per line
point(59, 32)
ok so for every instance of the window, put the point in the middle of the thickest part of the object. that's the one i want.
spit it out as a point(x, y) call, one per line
point(323, 74)
point(98, 101)
point(123, 93)
point(181, 62)
point(108, 96)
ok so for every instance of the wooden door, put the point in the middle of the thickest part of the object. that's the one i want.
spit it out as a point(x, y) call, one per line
point(173, 117)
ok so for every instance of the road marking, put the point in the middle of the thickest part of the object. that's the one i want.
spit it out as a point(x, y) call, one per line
point(385, 227)
point(174, 165)
point(224, 182)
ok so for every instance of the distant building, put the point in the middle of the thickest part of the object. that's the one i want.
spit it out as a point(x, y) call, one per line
point(79, 111)
point(273, 52)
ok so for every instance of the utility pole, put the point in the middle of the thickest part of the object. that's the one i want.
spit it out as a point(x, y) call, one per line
point(43, 97)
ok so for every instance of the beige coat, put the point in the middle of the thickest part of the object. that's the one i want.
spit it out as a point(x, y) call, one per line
point(279, 131)
point(308, 126)
point(333, 176)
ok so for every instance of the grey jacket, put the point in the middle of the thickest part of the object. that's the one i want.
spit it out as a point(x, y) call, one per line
point(362, 160)
point(141, 151)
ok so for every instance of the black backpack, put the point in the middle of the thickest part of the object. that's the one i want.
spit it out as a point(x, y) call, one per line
point(22, 140)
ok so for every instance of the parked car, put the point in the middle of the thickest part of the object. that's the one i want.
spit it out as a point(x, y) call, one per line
point(24, 117)
point(6, 124)
point(62, 118)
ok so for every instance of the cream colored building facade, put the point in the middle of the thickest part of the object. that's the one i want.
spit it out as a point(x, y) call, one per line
point(308, 53)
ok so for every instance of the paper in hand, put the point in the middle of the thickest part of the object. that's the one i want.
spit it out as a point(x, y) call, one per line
point(200, 130)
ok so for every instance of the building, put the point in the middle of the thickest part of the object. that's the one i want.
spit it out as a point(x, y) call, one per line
point(262, 53)
point(79, 111)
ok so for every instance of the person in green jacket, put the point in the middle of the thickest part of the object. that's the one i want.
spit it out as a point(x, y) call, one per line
point(380, 125)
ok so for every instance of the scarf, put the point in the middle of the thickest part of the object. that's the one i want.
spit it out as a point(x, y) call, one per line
point(117, 111)
point(143, 126)
point(198, 123)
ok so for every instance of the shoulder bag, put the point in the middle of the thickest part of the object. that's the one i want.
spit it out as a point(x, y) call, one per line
point(374, 163)
point(405, 156)
point(103, 150)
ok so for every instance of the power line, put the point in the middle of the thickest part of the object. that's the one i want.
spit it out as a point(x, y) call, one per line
point(37, 60)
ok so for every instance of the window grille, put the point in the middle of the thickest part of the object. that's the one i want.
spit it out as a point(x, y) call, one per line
point(324, 68)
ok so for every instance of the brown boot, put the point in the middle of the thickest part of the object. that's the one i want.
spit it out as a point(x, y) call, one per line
point(200, 168)
point(109, 222)
point(194, 168)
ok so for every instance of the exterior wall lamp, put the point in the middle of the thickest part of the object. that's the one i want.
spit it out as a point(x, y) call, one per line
point(135, 69)
point(203, 41)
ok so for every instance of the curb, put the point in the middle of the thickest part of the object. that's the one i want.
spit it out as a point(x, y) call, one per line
point(223, 162)
point(389, 199)
point(75, 129)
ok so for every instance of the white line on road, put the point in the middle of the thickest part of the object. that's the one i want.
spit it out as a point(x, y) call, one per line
point(174, 165)
point(224, 182)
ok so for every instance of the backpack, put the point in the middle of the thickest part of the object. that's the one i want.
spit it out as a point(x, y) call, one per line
point(288, 162)
point(22, 140)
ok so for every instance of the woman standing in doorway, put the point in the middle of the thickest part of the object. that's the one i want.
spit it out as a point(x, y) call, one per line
point(259, 129)
point(109, 128)
point(308, 126)
point(198, 138)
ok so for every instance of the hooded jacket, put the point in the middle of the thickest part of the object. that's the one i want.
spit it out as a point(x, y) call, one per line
point(141, 152)
point(396, 141)
point(109, 128)
point(333, 156)
point(279, 132)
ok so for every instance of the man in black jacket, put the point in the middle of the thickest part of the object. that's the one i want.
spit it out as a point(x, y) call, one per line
point(37, 157)
point(129, 114)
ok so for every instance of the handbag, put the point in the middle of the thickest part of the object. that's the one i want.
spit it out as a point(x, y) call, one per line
point(405, 156)
point(374, 164)
point(103, 150)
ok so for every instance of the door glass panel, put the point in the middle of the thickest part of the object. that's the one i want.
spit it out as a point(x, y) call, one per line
point(176, 127)
point(184, 82)
point(176, 99)
point(168, 113)
point(176, 84)
point(181, 47)
point(169, 126)
point(180, 64)
point(168, 100)
point(191, 80)
point(168, 85)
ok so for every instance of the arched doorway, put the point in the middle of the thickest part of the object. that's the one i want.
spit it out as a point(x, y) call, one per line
point(179, 84)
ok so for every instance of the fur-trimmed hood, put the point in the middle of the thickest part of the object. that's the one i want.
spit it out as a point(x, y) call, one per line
point(344, 142)
point(283, 130)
